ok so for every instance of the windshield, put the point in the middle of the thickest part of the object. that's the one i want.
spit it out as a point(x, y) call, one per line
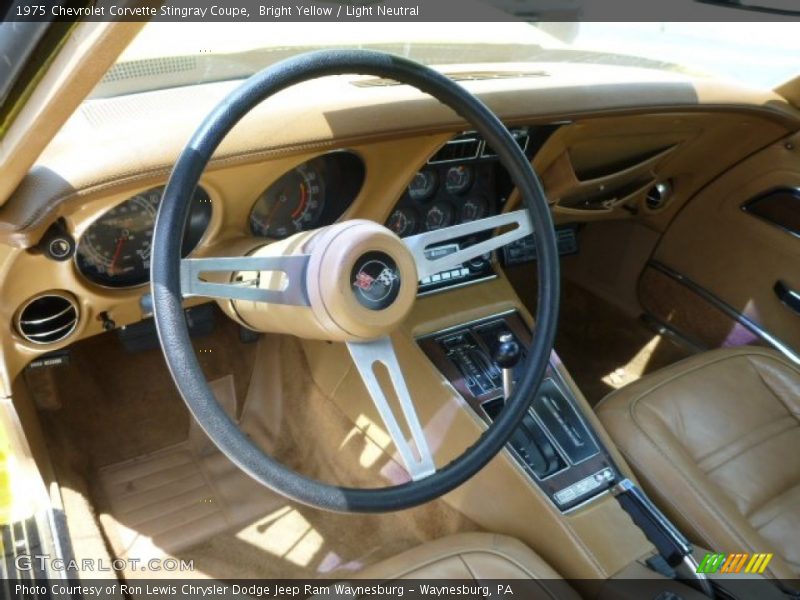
point(165, 55)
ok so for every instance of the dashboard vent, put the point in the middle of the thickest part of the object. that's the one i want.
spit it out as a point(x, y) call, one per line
point(520, 135)
point(464, 147)
point(48, 318)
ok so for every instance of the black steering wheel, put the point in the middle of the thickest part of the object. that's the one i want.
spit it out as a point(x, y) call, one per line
point(352, 282)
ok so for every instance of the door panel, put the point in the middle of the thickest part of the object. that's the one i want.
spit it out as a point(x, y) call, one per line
point(734, 256)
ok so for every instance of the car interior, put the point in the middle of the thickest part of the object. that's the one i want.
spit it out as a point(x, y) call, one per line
point(356, 318)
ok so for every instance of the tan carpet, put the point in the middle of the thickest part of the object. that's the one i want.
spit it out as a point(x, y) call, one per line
point(117, 405)
point(602, 347)
point(162, 490)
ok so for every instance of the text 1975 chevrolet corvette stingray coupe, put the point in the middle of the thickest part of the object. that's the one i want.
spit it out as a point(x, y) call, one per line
point(530, 313)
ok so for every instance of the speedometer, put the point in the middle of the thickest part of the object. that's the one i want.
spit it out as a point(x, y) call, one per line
point(293, 203)
point(115, 250)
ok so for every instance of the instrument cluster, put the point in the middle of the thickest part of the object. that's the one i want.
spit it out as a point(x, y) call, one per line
point(114, 251)
point(444, 195)
point(463, 181)
point(311, 195)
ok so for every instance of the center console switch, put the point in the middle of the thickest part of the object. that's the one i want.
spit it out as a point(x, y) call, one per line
point(477, 269)
point(554, 444)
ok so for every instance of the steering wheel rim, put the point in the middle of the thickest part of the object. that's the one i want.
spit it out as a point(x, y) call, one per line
point(168, 301)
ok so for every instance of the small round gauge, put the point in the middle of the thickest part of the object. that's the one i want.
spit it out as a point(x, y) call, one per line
point(114, 251)
point(403, 221)
point(293, 203)
point(439, 215)
point(473, 208)
point(423, 185)
point(458, 179)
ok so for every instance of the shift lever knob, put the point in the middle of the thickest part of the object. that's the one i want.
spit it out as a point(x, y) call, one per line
point(507, 354)
point(506, 357)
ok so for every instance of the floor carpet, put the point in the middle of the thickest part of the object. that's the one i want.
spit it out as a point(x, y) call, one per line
point(160, 489)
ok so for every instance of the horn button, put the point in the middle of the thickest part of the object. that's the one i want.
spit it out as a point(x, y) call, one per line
point(362, 279)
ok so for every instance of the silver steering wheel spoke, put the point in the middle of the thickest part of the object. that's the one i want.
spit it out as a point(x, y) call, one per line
point(366, 355)
point(286, 273)
point(427, 266)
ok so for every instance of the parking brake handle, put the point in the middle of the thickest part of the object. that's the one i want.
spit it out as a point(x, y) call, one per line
point(671, 544)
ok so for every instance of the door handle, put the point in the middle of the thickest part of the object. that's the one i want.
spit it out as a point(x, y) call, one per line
point(790, 297)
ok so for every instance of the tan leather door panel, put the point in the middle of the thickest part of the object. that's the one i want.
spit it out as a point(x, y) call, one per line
point(734, 255)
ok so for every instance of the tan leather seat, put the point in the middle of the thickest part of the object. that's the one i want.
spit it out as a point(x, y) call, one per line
point(475, 556)
point(715, 440)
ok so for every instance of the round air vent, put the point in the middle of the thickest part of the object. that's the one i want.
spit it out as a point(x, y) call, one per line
point(48, 318)
point(659, 195)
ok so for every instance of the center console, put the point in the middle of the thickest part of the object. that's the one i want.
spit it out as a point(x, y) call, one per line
point(554, 445)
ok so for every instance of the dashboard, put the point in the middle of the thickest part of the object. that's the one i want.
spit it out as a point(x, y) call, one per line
point(463, 181)
point(386, 154)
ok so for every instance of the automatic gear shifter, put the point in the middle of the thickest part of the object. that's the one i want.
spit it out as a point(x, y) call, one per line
point(506, 357)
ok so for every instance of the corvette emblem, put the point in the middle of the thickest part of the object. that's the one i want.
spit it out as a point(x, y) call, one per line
point(375, 280)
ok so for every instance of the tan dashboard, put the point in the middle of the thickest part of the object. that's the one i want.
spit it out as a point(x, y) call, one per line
point(629, 150)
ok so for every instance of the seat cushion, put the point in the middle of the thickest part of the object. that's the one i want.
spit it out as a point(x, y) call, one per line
point(714, 439)
point(478, 557)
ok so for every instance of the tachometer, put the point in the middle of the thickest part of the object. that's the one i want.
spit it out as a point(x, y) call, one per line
point(293, 203)
point(115, 250)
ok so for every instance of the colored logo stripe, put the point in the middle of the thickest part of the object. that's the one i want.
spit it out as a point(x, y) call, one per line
point(734, 563)
point(711, 563)
point(758, 563)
